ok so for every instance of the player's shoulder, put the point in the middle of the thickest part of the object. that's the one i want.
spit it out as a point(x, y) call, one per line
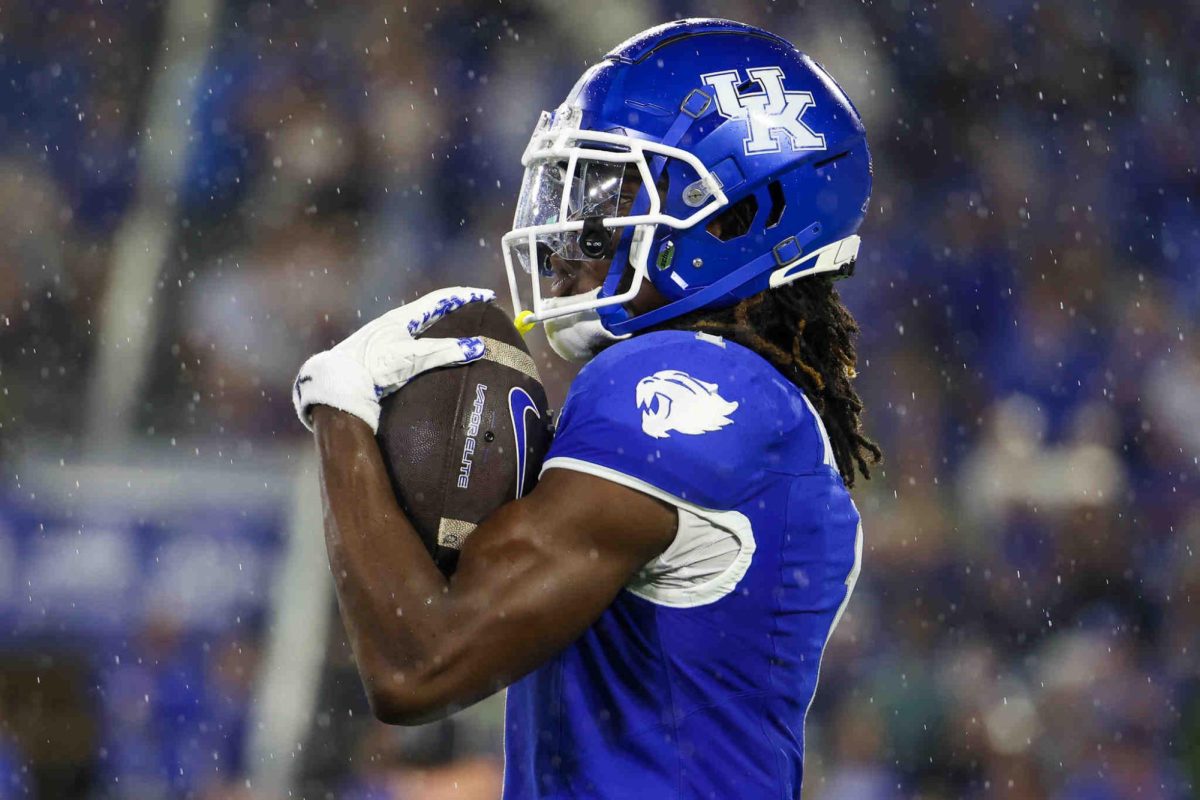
point(670, 344)
point(678, 361)
point(688, 379)
point(688, 404)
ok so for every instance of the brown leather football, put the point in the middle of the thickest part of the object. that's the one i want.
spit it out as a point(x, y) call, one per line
point(461, 441)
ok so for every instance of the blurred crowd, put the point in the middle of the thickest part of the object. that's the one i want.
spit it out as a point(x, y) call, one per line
point(1026, 625)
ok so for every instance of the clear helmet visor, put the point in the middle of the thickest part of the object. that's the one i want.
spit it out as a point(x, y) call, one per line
point(556, 193)
point(576, 205)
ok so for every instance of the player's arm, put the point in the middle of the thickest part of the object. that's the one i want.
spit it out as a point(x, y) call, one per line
point(531, 578)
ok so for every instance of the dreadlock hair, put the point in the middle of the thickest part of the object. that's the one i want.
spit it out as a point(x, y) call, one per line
point(808, 334)
point(805, 331)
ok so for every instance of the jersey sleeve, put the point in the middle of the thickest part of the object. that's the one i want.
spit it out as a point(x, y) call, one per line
point(684, 415)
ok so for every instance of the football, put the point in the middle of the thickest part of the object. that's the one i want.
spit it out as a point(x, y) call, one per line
point(460, 442)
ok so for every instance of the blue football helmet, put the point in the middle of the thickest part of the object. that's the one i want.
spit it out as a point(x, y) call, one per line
point(721, 114)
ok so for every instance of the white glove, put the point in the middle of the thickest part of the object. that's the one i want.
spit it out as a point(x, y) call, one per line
point(383, 355)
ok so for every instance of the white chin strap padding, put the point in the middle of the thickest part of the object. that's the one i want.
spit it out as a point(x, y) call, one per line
point(579, 336)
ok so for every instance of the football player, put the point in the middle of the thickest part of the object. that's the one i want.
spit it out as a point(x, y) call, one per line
point(658, 605)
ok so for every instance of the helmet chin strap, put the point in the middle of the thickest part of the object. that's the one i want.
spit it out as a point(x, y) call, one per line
point(783, 262)
point(694, 106)
point(615, 314)
point(579, 336)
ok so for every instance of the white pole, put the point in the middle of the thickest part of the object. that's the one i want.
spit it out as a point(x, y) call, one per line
point(141, 243)
point(289, 678)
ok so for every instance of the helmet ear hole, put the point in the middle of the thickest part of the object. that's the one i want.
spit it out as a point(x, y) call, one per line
point(734, 221)
point(778, 203)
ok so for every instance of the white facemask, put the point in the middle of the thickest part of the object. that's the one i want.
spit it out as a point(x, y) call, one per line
point(577, 337)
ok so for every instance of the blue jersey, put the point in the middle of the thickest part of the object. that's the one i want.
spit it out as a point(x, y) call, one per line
point(695, 682)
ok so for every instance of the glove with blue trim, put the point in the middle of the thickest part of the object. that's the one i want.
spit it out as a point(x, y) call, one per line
point(383, 355)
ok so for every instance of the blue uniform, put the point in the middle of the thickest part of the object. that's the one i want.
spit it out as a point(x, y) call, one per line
point(695, 682)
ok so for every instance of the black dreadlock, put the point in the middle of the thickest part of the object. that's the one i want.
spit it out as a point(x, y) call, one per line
point(808, 334)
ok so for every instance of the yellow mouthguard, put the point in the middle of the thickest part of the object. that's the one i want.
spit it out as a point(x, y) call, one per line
point(524, 322)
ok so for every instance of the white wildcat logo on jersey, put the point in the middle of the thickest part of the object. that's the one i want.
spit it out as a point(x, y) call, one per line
point(672, 400)
point(767, 112)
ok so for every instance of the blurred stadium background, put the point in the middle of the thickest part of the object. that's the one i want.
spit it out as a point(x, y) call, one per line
point(194, 195)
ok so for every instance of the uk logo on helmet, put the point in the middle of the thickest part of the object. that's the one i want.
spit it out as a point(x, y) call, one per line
point(672, 400)
point(771, 114)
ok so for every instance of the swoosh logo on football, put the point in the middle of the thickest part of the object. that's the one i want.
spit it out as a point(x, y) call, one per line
point(519, 404)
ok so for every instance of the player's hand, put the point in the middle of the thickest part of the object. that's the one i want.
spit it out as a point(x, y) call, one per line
point(383, 355)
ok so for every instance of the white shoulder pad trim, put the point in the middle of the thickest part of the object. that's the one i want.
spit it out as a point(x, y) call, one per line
point(829, 458)
point(708, 558)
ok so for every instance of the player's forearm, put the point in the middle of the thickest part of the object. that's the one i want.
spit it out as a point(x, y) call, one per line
point(529, 581)
point(389, 590)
